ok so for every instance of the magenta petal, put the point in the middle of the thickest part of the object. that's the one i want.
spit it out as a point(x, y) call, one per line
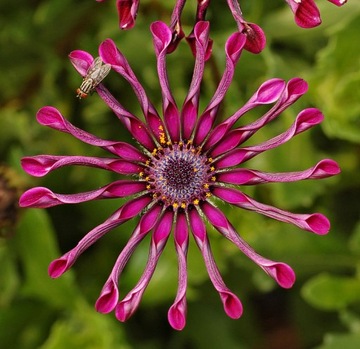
point(127, 211)
point(54, 119)
point(189, 110)
point(61, 265)
point(126, 308)
point(294, 89)
point(232, 305)
point(305, 119)
point(128, 152)
point(177, 315)
point(181, 234)
point(234, 46)
point(110, 54)
point(41, 197)
point(338, 2)
point(125, 167)
point(197, 226)
point(127, 11)
point(131, 208)
point(177, 33)
point(38, 166)
point(306, 13)
point(162, 36)
point(41, 165)
point(255, 38)
point(233, 50)
point(326, 168)
point(129, 304)
point(110, 294)
point(280, 272)
point(316, 222)
point(230, 159)
point(38, 197)
point(108, 298)
point(177, 312)
point(162, 230)
point(194, 39)
point(232, 140)
point(242, 176)
point(136, 127)
point(51, 117)
point(81, 60)
point(269, 92)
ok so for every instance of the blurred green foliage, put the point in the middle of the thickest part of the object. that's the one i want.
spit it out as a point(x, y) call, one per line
point(322, 311)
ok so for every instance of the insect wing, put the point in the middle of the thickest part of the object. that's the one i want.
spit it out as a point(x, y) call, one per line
point(98, 71)
point(94, 68)
point(102, 73)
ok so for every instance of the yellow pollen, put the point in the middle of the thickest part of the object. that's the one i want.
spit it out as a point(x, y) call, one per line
point(195, 170)
point(154, 152)
point(175, 205)
point(212, 168)
point(141, 174)
point(161, 128)
point(148, 187)
point(147, 178)
point(196, 202)
point(206, 186)
point(213, 178)
point(210, 159)
point(183, 205)
point(154, 195)
point(208, 194)
point(147, 162)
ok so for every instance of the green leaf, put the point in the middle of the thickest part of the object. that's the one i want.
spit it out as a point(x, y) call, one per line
point(336, 341)
point(354, 241)
point(24, 324)
point(329, 292)
point(337, 84)
point(9, 281)
point(37, 248)
point(85, 328)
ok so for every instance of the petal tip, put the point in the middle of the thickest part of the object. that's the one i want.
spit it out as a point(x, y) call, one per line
point(318, 224)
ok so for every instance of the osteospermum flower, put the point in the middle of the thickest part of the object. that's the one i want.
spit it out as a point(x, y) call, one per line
point(307, 14)
point(183, 162)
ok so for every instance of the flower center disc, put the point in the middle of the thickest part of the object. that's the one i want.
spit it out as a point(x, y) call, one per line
point(180, 175)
